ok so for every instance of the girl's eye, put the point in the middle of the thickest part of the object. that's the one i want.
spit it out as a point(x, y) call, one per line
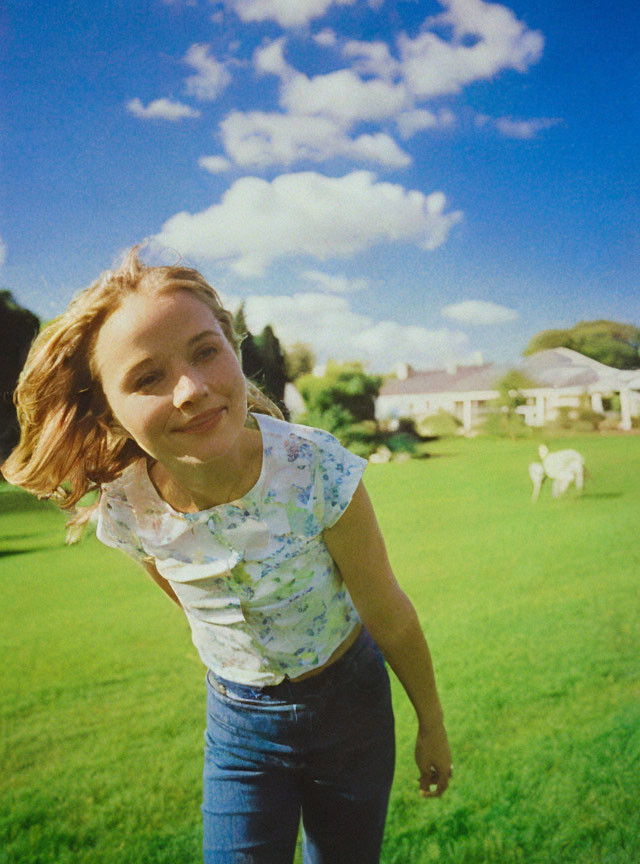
point(147, 380)
point(206, 353)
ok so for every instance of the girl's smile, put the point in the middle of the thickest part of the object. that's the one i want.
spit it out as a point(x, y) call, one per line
point(203, 422)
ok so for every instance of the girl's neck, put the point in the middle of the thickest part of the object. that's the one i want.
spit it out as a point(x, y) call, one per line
point(189, 488)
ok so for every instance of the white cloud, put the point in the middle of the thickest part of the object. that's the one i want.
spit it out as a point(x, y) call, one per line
point(335, 331)
point(211, 76)
point(161, 109)
point(214, 164)
point(3, 252)
point(433, 66)
point(343, 95)
point(372, 58)
point(479, 312)
point(334, 284)
point(307, 214)
point(378, 148)
point(481, 40)
point(386, 343)
point(524, 129)
point(326, 38)
point(287, 13)
point(269, 59)
point(258, 139)
point(410, 122)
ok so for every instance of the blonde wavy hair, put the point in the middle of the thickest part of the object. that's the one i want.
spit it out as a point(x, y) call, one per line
point(70, 442)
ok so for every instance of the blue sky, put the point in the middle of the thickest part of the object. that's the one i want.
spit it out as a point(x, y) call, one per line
point(427, 182)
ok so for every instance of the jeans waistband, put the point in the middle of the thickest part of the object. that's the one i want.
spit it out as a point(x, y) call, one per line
point(289, 687)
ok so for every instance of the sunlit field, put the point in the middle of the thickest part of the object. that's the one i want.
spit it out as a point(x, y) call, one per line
point(532, 613)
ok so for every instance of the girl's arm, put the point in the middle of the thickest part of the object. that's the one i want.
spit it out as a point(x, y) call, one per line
point(150, 566)
point(356, 545)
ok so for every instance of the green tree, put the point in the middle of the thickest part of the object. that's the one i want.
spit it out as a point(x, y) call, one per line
point(299, 360)
point(342, 401)
point(252, 364)
point(274, 374)
point(610, 342)
point(263, 360)
point(504, 418)
point(240, 323)
point(18, 327)
point(510, 388)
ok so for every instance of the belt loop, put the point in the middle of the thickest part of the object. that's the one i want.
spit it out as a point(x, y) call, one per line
point(217, 685)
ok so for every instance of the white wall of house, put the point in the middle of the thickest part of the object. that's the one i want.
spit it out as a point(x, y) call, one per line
point(542, 403)
point(542, 406)
point(468, 407)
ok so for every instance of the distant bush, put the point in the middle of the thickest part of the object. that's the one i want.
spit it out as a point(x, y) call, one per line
point(564, 419)
point(361, 438)
point(361, 448)
point(344, 386)
point(576, 420)
point(440, 425)
point(402, 442)
point(503, 425)
point(611, 423)
point(407, 425)
point(588, 420)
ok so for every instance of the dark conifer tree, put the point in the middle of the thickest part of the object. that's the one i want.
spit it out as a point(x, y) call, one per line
point(18, 327)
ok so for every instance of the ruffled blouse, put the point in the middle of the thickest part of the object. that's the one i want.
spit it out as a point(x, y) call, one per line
point(261, 592)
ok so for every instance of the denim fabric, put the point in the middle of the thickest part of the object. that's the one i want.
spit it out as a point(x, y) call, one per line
point(322, 748)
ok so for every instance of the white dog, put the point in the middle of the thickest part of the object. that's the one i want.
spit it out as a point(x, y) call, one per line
point(563, 468)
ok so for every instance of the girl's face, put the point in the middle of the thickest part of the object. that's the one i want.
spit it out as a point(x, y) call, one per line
point(171, 378)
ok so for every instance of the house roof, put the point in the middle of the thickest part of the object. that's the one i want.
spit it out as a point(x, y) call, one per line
point(562, 367)
point(556, 367)
point(463, 379)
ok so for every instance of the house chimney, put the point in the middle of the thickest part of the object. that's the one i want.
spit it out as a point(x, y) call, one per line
point(403, 371)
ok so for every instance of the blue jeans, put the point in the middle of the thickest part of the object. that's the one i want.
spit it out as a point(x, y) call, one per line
point(322, 748)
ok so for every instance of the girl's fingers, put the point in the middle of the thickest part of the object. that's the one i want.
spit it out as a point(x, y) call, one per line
point(435, 778)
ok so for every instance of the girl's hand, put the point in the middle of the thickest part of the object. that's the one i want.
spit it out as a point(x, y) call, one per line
point(433, 758)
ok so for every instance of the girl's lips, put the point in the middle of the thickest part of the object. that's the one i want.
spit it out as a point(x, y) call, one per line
point(203, 422)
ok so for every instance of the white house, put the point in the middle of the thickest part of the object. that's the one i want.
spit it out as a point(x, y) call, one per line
point(562, 378)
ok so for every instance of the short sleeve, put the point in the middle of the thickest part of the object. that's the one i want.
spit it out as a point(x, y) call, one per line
point(338, 474)
point(113, 528)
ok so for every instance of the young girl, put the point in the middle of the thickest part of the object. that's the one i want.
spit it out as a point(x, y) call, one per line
point(262, 531)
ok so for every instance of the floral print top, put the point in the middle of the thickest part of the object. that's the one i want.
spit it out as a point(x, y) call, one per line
point(263, 596)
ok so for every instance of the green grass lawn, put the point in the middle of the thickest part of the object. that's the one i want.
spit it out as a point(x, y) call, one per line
point(531, 611)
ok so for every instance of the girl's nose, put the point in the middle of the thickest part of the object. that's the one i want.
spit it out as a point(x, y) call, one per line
point(189, 388)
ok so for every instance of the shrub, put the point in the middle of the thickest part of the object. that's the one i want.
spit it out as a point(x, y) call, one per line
point(361, 448)
point(402, 442)
point(589, 419)
point(407, 425)
point(361, 438)
point(345, 386)
point(564, 419)
point(504, 425)
point(440, 425)
point(576, 420)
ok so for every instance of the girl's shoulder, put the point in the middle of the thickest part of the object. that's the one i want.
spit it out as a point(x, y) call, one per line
point(294, 443)
point(311, 466)
point(131, 490)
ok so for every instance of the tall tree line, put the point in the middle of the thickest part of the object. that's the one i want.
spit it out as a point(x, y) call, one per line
point(18, 327)
point(263, 359)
